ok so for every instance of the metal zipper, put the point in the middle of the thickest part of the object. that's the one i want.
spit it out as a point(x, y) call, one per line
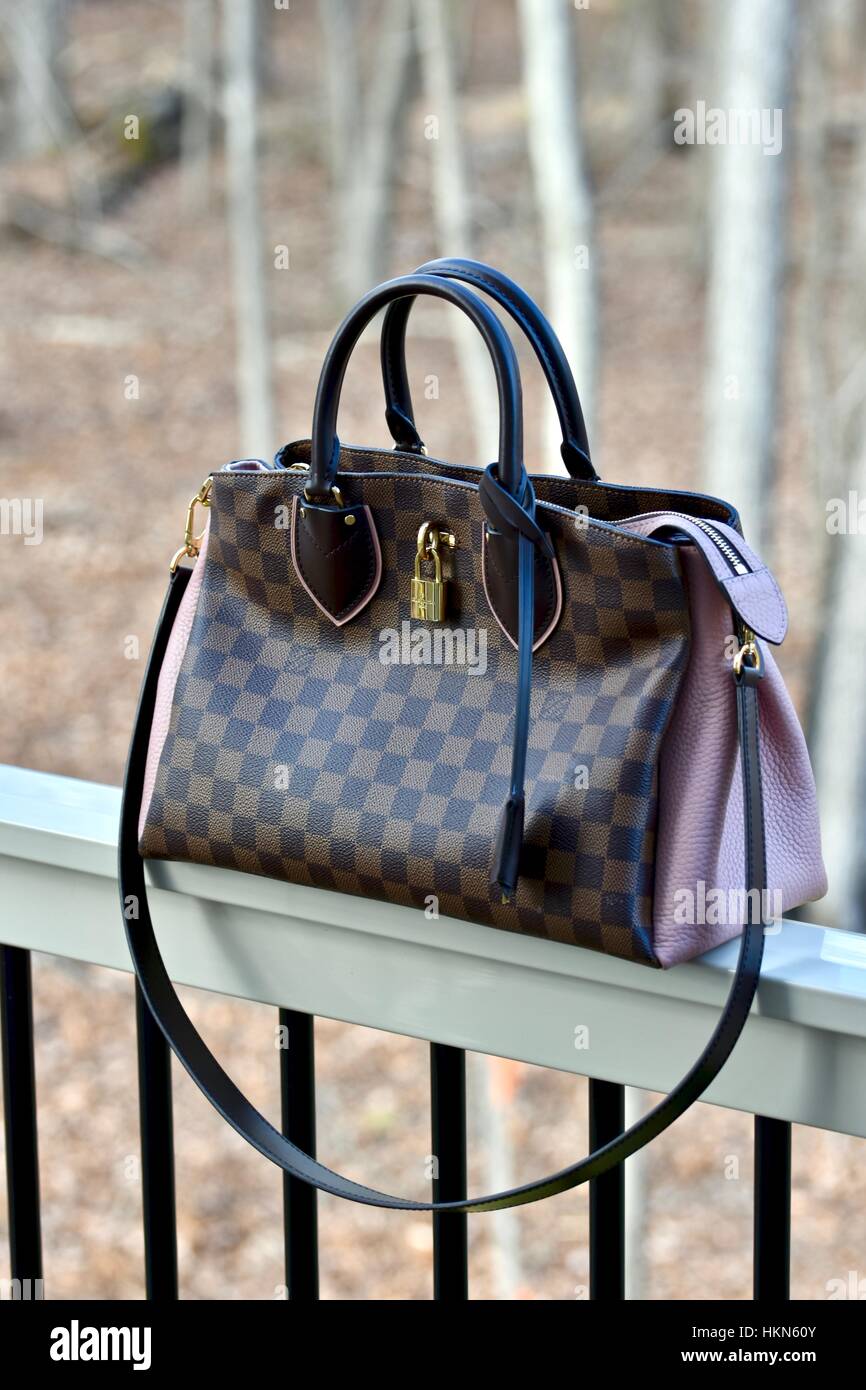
point(723, 545)
point(729, 552)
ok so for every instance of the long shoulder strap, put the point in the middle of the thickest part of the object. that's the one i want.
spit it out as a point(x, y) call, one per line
point(224, 1095)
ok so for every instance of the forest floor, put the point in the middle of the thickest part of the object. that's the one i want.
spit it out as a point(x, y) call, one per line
point(115, 475)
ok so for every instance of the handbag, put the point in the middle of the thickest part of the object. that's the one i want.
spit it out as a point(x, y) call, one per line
point(315, 707)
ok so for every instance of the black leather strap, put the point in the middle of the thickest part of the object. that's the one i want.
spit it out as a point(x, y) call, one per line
point(548, 349)
point(507, 513)
point(518, 515)
point(325, 446)
point(224, 1095)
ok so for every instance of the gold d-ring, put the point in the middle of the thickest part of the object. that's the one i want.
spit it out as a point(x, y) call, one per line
point(749, 649)
point(335, 493)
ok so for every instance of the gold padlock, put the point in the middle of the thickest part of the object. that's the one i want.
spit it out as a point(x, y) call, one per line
point(427, 600)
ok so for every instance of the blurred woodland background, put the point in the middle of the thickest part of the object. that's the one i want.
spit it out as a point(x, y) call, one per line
point(192, 194)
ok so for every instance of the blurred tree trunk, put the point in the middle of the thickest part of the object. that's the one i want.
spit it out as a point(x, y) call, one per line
point(375, 173)
point(826, 466)
point(36, 34)
point(562, 188)
point(652, 32)
point(838, 733)
point(198, 53)
point(451, 201)
point(343, 94)
point(342, 84)
point(844, 25)
point(364, 136)
point(257, 437)
point(747, 251)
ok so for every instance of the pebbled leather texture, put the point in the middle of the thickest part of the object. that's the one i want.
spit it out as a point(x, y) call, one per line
point(175, 652)
point(336, 555)
point(700, 831)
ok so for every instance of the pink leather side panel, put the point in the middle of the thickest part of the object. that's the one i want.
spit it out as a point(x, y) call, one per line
point(700, 833)
point(174, 655)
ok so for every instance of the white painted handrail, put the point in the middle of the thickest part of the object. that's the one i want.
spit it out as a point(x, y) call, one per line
point(802, 1056)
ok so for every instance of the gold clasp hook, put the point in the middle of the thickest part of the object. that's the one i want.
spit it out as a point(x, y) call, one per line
point(191, 543)
point(749, 654)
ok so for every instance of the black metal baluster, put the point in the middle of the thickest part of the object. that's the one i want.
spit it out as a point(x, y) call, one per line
point(19, 1106)
point(298, 1097)
point(157, 1155)
point(606, 1196)
point(448, 1123)
point(772, 1220)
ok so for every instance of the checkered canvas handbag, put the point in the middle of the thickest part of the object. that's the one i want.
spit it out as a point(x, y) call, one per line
point(531, 702)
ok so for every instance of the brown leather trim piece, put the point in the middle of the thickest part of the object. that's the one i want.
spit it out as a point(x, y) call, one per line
point(500, 587)
point(338, 563)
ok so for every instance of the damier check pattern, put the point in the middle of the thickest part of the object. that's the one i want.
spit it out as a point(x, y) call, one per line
point(294, 752)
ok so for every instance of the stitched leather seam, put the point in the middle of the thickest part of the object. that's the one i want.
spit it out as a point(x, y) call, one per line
point(781, 608)
point(729, 583)
point(350, 540)
point(719, 510)
point(609, 529)
point(550, 593)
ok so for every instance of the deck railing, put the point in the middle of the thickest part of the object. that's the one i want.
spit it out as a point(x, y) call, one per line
point(801, 1059)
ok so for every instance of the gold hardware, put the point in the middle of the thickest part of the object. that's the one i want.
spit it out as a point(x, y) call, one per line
point(298, 467)
point(335, 493)
point(192, 543)
point(350, 519)
point(427, 600)
point(749, 649)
